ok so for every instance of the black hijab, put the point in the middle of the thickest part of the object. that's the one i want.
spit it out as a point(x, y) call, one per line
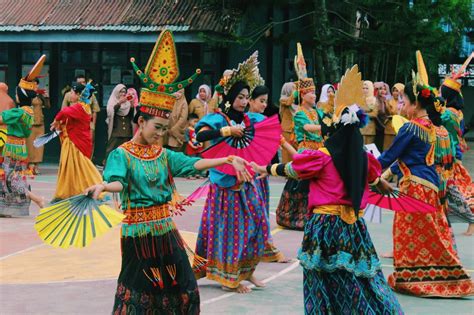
point(25, 96)
point(346, 147)
point(230, 97)
point(453, 98)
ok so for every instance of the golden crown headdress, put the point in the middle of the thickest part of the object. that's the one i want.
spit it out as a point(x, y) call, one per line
point(304, 83)
point(452, 81)
point(247, 71)
point(350, 92)
point(159, 78)
point(28, 82)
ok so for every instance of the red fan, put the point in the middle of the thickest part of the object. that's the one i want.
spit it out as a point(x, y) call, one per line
point(200, 192)
point(259, 144)
point(395, 201)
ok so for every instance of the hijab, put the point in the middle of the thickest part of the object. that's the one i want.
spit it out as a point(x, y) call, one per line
point(323, 98)
point(122, 111)
point(370, 97)
point(230, 97)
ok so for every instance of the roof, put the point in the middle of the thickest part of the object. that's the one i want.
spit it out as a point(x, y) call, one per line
point(107, 15)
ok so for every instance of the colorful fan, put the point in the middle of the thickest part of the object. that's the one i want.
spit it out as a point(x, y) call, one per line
point(200, 192)
point(3, 137)
point(259, 144)
point(395, 201)
point(75, 221)
point(47, 137)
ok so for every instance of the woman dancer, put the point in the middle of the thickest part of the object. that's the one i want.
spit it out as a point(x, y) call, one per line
point(342, 273)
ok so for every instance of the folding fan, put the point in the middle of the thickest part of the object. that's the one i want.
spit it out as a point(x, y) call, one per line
point(3, 137)
point(395, 201)
point(75, 221)
point(47, 137)
point(200, 192)
point(259, 144)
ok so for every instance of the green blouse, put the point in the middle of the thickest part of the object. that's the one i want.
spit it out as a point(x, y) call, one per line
point(18, 121)
point(301, 119)
point(144, 172)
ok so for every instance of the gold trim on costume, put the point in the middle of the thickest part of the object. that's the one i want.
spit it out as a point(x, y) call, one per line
point(273, 169)
point(452, 84)
point(153, 213)
point(26, 85)
point(345, 212)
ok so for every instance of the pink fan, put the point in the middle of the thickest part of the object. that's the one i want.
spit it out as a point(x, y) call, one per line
point(259, 144)
point(200, 192)
point(396, 201)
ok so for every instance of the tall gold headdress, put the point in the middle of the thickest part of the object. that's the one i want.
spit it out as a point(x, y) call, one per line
point(159, 78)
point(304, 83)
point(28, 82)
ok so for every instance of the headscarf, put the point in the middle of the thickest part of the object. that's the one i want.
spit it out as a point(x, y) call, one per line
point(378, 85)
point(453, 98)
point(135, 102)
point(400, 87)
point(122, 111)
point(25, 96)
point(286, 92)
point(6, 102)
point(370, 97)
point(208, 97)
point(346, 147)
point(323, 98)
point(230, 98)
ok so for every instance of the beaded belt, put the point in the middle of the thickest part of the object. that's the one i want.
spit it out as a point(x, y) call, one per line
point(140, 215)
point(345, 212)
point(15, 140)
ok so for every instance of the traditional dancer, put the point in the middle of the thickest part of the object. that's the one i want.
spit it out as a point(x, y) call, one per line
point(76, 144)
point(342, 273)
point(433, 269)
point(453, 120)
point(156, 276)
point(234, 228)
point(257, 104)
point(6, 102)
point(292, 208)
point(370, 107)
point(15, 196)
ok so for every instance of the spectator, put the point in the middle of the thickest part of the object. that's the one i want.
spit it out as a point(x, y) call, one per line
point(120, 113)
point(174, 139)
point(192, 146)
point(135, 103)
point(200, 105)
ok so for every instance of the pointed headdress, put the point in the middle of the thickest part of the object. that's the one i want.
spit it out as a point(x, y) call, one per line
point(304, 83)
point(28, 82)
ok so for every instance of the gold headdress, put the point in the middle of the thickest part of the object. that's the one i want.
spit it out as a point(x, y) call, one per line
point(247, 71)
point(28, 82)
point(452, 81)
point(157, 95)
point(350, 92)
point(421, 78)
point(304, 83)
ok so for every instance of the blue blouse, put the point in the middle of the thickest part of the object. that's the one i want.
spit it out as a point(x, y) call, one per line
point(217, 121)
point(412, 151)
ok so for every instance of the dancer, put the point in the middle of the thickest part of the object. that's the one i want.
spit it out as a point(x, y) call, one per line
point(258, 103)
point(342, 273)
point(370, 107)
point(453, 120)
point(76, 144)
point(156, 277)
point(15, 196)
point(435, 259)
point(6, 102)
point(292, 208)
point(234, 228)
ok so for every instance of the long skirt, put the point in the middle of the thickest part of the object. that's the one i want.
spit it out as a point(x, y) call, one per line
point(292, 209)
point(156, 276)
point(342, 273)
point(458, 209)
point(463, 180)
point(425, 261)
point(76, 171)
point(14, 200)
point(270, 253)
point(232, 234)
point(35, 155)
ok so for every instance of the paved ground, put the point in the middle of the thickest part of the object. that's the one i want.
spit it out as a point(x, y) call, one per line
point(38, 279)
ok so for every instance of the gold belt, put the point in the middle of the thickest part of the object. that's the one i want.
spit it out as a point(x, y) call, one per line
point(15, 140)
point(140, 215)
point(345, 212)
point(310, 145)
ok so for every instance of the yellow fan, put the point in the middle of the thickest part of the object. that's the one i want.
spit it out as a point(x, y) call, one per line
point(3, 137)
point(75, 221)
point(398, 121)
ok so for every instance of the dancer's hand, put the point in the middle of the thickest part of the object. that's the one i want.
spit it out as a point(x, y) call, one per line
point(236, 131)
point(259, 169)
point(95, 190)
point(239, 164)
point(384, 187)
point(54, 125)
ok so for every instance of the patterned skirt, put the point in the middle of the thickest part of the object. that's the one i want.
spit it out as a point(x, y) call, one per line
point(425, 261)
point(14, 200)
point(232, 234)
point(458, 209)
point(293, 206)
point(156, 276)
point(342, 273)
point(270, 253)
point(463, 180)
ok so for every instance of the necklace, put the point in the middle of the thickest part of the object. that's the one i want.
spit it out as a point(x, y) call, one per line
point(149, 168)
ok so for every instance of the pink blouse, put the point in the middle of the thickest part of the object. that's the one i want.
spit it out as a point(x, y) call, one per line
point(326, 186)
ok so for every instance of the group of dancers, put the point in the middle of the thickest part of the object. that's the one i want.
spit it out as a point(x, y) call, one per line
point(329, 174)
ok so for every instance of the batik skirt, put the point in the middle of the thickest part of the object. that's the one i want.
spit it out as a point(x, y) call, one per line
point(232, 234)
point(458, 209)
point(292, 209)
point(14, 200)
point(156, 275)
point(342, 273)
point(463, 180)
point(271, 253)
point(425, 261)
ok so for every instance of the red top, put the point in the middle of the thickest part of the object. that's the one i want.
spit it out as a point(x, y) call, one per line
point(78, 127)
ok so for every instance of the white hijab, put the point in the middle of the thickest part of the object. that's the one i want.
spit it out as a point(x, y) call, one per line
point(323, 98)
point(208, 97)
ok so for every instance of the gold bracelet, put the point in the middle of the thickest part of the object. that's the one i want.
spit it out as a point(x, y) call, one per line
point(230, 159)
point(225, 131)
point(273, 169)
point(375, 182)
